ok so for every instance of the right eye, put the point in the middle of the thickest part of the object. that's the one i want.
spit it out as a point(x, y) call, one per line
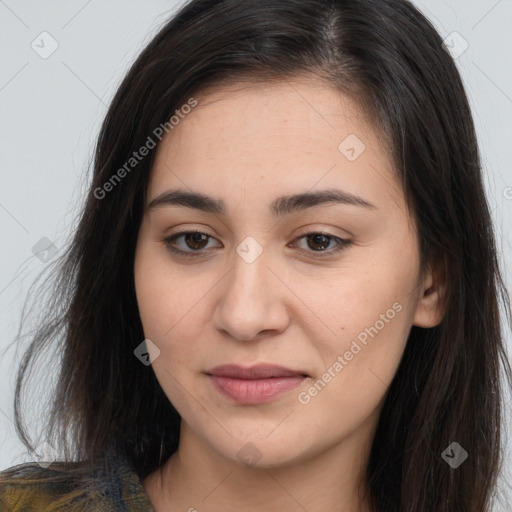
point(194, 240)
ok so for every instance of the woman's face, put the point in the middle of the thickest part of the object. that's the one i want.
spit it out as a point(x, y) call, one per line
point(276, 163)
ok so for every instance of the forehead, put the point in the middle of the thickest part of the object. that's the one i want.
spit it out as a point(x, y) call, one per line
point(289, 135)
point(292, 109)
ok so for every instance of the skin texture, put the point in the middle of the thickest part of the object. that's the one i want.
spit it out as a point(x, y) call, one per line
point(247, 145)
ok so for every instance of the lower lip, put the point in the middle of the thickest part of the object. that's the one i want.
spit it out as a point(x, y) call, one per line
point(255, 391)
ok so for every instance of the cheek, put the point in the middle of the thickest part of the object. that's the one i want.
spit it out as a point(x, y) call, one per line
point(171, 322)
point(369, 292)
point(369, 314)
point(358, 367)
point(162, 294)
point(170, 304)
point(163, 316)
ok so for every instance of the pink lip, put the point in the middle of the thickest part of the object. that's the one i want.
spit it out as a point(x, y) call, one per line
point(256, 384)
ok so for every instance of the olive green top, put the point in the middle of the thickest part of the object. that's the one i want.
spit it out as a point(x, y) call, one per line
point(110, 485)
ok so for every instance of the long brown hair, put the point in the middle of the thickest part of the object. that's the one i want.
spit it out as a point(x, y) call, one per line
point(388, 57)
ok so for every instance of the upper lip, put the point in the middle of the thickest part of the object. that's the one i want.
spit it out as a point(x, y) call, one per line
point(258, 371)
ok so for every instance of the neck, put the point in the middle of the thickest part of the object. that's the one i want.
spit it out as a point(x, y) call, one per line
point(198, 479)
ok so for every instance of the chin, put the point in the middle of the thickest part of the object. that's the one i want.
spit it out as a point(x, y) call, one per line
point(261, 452)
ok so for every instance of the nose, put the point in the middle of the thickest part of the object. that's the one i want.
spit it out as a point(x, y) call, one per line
point(252, 301)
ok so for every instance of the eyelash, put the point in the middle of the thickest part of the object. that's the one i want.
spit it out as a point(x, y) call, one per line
point(341, 244)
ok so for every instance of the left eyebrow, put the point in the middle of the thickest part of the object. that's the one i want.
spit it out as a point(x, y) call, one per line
point(283, 205)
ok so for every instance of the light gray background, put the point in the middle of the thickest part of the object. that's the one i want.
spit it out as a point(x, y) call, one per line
point(51, 110)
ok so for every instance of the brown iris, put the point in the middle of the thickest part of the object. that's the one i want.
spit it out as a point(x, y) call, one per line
point(194, 239)
point(317, 238)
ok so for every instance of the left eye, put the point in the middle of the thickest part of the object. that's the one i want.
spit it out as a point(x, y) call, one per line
point(320, 241)
point(198, 241)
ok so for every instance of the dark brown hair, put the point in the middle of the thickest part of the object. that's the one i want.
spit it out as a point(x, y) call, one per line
point(389, 58)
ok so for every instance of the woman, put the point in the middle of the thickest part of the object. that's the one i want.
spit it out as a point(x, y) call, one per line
point(283, 293)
